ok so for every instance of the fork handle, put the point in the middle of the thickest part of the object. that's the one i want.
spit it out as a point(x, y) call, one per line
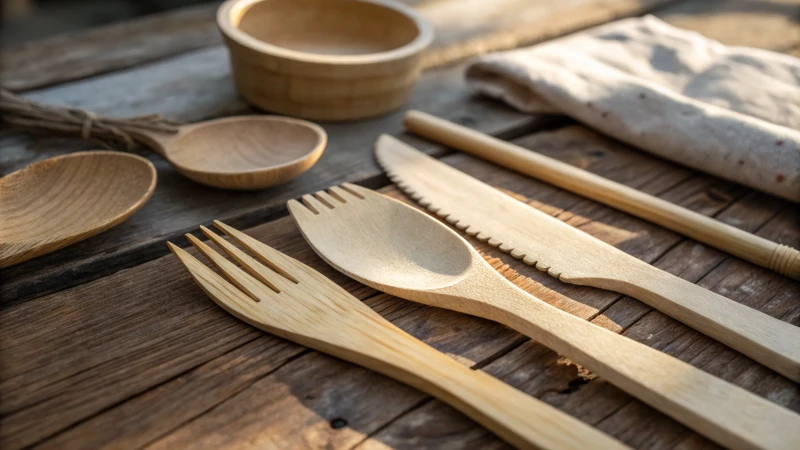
point(711, 406)
point(521, 420)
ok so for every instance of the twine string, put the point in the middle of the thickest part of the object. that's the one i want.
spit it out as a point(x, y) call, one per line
point(21, 114)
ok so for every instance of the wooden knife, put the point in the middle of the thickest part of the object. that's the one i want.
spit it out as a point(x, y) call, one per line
point(579, 258)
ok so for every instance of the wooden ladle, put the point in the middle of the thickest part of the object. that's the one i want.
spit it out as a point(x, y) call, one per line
point(59, 201)
point(243, 153)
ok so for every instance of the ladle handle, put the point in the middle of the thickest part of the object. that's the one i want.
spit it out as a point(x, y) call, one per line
point(21, 114)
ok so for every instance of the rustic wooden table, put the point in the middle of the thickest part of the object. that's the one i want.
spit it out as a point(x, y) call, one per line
point(109, 342)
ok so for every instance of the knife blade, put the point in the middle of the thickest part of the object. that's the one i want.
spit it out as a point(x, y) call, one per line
point(576, 257)
point(528, 234)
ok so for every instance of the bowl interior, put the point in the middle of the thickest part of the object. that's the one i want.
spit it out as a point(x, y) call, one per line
point(326, 27)
point(245, 144)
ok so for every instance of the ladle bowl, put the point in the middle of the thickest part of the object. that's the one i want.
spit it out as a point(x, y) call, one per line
point(242, 153)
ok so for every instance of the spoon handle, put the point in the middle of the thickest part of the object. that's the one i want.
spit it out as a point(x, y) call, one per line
point(711, 406)
point(520, 419)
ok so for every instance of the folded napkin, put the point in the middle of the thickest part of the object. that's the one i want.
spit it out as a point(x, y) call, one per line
point(730, 111)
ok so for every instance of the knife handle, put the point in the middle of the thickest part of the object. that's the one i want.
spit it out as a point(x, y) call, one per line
point(780, 258)
point(770, 341)
point(711, 406)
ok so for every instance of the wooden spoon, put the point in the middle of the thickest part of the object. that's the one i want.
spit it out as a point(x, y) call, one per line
point(243, 153)
point(59, 201)
point(402, 251)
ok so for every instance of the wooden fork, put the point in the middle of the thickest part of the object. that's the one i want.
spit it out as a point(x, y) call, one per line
point(291, 300)
point(397, 249)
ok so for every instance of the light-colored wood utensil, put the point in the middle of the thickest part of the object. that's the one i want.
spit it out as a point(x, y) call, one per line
point(577, 257)
point(63, 200)
point(780, 258)
point(241, 153)
point(397, 249)
point(324, 59)
point(293, 301)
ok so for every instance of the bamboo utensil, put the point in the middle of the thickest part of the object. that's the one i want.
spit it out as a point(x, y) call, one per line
point(242, 153)
point(397, 249)
point(63, 200)
point(780, 258)
point(324, 59)
point(576, 257)
point(295, 302)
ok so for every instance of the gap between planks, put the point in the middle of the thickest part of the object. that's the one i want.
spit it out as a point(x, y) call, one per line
point(677, 183)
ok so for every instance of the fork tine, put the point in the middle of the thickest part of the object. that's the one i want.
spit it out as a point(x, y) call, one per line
point(232, 272)
point(356, 191)
point(316, 206)
point(338, 193)
point(219, 289)
point(326, 198)
point(299, 210)
point(274, 259)
point(252, 266)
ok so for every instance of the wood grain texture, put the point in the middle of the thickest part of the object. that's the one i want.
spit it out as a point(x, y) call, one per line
point(568, 254)
point(303, 306)
point(198, 86)
point(120, 46)
point(259, 151)
point(63, 200)
point(192, 363)
point(116, 46)
point(177, 312)
point(334, 60)
point(348, 227)
point(780, 258)
point(179, 205)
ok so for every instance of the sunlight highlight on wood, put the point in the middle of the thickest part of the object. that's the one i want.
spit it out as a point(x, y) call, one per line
point(780, 258)
point(324, 59)
point(63, 200)
point(399, 250)
point(318, 313)
point(577, 257)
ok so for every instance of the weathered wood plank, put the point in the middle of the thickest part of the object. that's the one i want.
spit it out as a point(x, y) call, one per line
point(178, 205)
point(476, 342)
point(764, 24)
point(196, 86)
point(462, 31)
point(237, 415)
point(106, 48)
point(601, 404)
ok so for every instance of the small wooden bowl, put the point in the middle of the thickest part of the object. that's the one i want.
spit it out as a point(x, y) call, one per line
point(324, 59)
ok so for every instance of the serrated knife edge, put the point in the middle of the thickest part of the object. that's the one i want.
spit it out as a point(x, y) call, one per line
point(422, 177)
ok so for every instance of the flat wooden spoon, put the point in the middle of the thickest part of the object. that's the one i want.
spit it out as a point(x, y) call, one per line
point(402, 251)
point(242, 153)
point(59, 201)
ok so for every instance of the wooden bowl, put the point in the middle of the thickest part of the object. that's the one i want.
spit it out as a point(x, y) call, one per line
point(324, 59)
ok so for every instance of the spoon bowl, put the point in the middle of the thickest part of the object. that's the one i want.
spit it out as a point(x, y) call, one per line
point(242, 153)
point(424, 255)
point(59, 201)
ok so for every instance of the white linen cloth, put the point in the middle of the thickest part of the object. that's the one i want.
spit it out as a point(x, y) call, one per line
point(730, 111)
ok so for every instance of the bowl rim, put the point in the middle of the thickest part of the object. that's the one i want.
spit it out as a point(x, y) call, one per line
point(420, 42)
